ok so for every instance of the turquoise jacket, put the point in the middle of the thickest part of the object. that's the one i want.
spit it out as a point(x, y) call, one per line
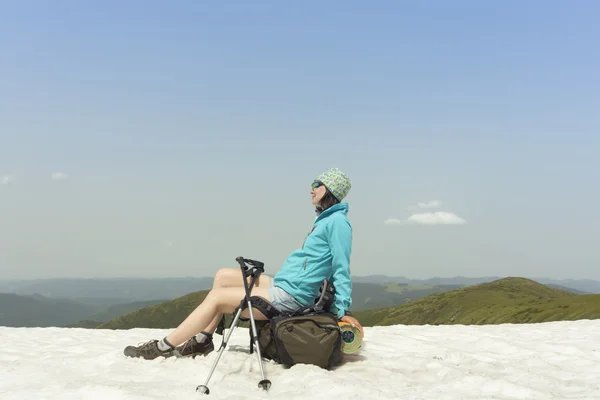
point(325, 254)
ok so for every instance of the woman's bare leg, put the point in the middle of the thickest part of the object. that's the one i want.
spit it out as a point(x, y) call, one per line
point(232, 277)
point(219, 301)
point(226, 295)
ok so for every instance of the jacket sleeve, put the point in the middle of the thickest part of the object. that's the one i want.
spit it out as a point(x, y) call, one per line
point(340, 245)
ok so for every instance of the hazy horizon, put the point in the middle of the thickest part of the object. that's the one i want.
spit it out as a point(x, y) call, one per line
point(157, 140)
point(211, 276)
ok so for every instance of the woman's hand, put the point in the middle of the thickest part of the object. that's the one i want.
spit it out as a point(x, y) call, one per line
point(354, 322)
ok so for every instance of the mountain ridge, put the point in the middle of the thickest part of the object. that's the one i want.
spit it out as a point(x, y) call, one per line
point(39, 311)
point(139, 289)
point(507, 300)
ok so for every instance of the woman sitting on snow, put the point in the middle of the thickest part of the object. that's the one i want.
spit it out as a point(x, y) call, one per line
point(325, 254)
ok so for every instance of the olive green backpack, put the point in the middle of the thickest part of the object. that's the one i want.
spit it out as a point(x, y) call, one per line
point(309, 338)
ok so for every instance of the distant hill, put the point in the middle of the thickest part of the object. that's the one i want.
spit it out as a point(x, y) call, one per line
point(368, 296)
point(581, 285)
point(575, 285)
point(568, 289)
point(455, 281)
point(39, 311)
point(120, 290)
point(168, 314)
point(507, 300)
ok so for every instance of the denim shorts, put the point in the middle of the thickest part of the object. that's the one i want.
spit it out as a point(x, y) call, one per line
point(282, 300)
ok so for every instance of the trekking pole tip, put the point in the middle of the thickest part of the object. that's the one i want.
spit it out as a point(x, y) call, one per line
point(203, 389)
point(265, 384)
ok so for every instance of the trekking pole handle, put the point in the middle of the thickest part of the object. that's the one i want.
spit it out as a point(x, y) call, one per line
point(256, 264)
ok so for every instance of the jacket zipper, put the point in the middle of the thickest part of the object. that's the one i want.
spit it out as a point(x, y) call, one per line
point(308, 234)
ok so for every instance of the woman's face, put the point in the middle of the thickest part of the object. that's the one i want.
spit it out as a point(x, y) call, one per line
point(317, 191)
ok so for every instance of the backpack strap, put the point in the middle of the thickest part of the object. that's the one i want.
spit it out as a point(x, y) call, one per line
point(262, 305)
point(266, 308)
point(323, 302)
point(326, 296)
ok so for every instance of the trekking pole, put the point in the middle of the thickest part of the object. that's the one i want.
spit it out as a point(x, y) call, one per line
point(265, 384)
point(257, 266)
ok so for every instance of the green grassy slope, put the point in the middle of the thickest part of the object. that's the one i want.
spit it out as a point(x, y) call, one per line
point(164, 315)
point(86, 323)
point(508, 300)
point(111, 312)
point(117, 310)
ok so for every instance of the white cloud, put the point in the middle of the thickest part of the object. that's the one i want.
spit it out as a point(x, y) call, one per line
point(59, 176)
point(437, 218)
point(6, 179)
point(430, 218)
point(431, 204)
point(425, 205)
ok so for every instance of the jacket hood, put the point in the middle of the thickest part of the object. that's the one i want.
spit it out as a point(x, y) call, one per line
point(340, 207)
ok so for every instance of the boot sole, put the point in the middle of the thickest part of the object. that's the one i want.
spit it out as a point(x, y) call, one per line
point(131, 353)
point(193, 355)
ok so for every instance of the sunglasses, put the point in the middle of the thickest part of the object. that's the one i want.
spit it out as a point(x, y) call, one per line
point(316, 184)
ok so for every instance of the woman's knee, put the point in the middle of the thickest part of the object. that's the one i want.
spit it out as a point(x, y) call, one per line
point(221, 298)
point(232, 277)
point(226, 277)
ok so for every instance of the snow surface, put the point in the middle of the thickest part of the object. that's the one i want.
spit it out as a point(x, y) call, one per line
point(559, 360)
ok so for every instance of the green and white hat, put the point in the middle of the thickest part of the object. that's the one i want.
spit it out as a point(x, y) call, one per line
point(336, 181)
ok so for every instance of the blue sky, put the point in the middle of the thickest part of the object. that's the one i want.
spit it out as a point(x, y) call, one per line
point(188, 134)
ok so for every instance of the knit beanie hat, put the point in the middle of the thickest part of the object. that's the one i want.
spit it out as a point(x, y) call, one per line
point(336, 181)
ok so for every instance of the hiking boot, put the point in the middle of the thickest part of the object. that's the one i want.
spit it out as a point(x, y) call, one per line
point(193, 348)
point(148, 350)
